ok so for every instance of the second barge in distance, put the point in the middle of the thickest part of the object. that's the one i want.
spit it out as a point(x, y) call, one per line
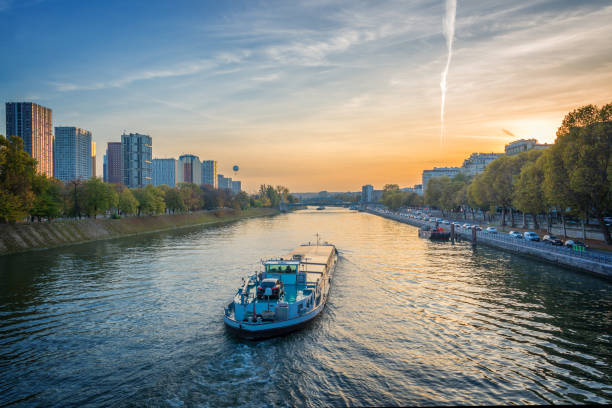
point(435, 234)
point(290, 292)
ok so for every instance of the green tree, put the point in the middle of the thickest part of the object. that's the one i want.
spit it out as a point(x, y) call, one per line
point(242, 200)
point(127, 203)
point(150, 200)
point(477, 195)
point(99, 197)
point(528, 192)
point(434, 190)
point(576, 167)
point(48, 198)
point(584, 116)
point(174, 201)
point(584, 157)
point(191, 195)
point(17, 170)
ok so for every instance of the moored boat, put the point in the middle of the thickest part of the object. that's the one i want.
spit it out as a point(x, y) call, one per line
point(286, 295)
point(437, 234)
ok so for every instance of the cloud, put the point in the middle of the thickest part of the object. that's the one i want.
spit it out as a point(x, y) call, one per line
point(509, 133)
point(179, 70)
point(267, 78)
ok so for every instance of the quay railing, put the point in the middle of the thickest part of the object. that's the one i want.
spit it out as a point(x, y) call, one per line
point(504, 240)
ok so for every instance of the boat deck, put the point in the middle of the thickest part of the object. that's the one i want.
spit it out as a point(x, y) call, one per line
point(293, 293)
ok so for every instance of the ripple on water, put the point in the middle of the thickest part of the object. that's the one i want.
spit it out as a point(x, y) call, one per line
point(137, 321)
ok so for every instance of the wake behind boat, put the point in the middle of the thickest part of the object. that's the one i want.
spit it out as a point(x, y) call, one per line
point(289, 293)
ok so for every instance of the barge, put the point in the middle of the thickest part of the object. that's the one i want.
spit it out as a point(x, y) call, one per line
point(286, 295)
point(436, 234)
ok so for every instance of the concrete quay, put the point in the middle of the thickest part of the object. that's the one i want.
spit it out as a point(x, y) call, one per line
point(594, 264)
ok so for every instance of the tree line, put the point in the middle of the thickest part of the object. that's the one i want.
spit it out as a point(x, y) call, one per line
point(27, 194)
point(571, 178)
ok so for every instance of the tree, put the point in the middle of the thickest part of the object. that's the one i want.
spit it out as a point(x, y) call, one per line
point(577, 171)
point(174, 201)
point(48, 199)
point(99, 197)
point(496, 184)
point(191, 195)
point(127, 203)
point(433, 192)
point(150, 200)
point(17, 170)
point(242, 200)
point(477, 195)
point(528, 193)
point(584, 157)
point(584, 116)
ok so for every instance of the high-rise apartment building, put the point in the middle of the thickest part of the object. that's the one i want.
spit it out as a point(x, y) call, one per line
point(93, 159)
point(189, 169)
point(105, 169)
point(32, 123)
point(137, 154)
point(72, 153)
point(236, 186)
point(164, 172)
point(209, 173)
point(114, 163)
point(224, 183)
point(367, 193)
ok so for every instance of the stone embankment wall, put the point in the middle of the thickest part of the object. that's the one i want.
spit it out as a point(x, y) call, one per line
point(25, 237)
point(595, 264)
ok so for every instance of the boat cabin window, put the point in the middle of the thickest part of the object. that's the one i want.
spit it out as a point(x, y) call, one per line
point(281, 268)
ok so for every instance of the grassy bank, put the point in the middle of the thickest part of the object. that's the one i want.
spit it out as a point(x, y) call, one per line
point(27, 237)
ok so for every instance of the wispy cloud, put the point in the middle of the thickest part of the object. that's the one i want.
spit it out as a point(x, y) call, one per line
point(178, 70)
point(267, 78)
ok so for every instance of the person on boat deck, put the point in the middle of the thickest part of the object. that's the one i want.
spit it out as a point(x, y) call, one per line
point(288, 269)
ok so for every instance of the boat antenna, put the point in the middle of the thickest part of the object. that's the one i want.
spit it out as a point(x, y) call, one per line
point(317, 239)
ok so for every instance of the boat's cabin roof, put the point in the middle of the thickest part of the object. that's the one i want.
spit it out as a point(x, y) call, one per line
point(281, 266)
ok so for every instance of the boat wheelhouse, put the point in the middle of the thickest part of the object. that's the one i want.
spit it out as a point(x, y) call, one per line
point(288, 293)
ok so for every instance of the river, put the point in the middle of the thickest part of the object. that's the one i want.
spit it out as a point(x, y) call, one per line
point(138, 321)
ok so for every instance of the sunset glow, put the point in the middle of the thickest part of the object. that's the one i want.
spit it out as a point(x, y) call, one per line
point(313, 95)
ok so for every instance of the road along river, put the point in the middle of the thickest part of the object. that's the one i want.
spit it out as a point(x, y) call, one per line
point(139, 321)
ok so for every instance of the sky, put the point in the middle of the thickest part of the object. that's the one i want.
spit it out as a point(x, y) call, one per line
point(314, 95)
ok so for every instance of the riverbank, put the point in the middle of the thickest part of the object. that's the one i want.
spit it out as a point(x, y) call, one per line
point(27, 237)
point(561, 256)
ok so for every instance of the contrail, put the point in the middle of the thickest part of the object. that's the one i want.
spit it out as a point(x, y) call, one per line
point(449, 34)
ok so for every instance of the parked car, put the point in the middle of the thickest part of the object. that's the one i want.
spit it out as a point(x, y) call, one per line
point(467, 226)
point(575, 243)
point(446, 222)
point(439, 220)
point(551, 239)
point(531, 236)
point(477, 227)
point(515, 234)
point(275, 286)
point(491, 230)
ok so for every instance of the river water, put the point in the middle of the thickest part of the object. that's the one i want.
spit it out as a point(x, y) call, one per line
point(138, 321)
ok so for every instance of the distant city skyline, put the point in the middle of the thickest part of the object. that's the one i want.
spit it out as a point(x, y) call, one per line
point(311, 95)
